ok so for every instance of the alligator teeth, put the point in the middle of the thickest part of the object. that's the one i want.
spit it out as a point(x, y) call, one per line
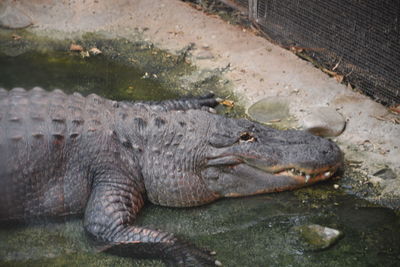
point(307, 178)
point(326, 174)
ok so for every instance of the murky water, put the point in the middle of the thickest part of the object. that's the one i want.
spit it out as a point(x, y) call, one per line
point(254, 231)
point(73, 73)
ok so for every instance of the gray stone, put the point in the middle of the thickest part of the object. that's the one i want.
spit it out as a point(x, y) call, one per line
point(13, 18)
point(317, 237)
point(386, 173)
point(324, 121)
point(271, 110)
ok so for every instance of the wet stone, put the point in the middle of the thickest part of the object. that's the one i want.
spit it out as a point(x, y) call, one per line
point(271, 110)
point(324, 121)
point(316, 237)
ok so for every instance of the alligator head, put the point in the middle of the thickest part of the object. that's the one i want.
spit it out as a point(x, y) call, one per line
point(214, 156)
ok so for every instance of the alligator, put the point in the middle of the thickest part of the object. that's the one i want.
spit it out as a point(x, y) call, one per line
point(69, 154)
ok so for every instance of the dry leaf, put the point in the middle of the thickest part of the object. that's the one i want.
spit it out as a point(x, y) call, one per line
point(95, 51)
point(395, 109)
point(296, 49)
point(16, 36)
point(339, 78)
point(227, 103)
point(332, 73)
point(76, 48)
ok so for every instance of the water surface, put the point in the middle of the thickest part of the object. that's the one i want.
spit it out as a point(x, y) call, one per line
point(72, 73)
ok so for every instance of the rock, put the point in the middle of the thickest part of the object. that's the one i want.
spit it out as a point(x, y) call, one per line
point(324, 121)
point(375, 180)
point(386, 173)
point(13, 18)
point(336, 186)
point(84, 54)
point(271, 110)
point(317, 237)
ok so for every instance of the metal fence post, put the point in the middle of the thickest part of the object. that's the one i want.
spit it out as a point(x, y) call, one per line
point(253, 10)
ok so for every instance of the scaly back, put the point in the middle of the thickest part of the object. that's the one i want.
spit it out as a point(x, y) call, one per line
point(44, 142)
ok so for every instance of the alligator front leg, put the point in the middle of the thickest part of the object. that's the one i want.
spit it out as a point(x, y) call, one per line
point(109, 217)
point(203, 102)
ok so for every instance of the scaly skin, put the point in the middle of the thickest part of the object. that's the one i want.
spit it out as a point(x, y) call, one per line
point(62, 155)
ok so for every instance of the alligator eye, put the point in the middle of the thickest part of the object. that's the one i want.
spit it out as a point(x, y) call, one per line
point(246, 137)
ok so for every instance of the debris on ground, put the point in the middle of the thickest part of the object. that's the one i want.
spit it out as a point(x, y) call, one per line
point(75, 48)
point(95, 51)
point(227, 103)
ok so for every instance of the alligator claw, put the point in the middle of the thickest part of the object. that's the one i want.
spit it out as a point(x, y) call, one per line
point(207, 96)
point(185, 254)
point(205, 101)
point(208, 102)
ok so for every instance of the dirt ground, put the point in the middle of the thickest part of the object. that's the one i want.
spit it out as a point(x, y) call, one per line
point(257, 69)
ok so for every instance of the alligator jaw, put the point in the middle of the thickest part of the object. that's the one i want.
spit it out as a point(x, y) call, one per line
point(300, 174)
point(230, 176)
point(285, 179)
point(309, 175)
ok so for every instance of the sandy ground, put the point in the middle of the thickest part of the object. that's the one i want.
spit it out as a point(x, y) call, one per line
point(258, 68)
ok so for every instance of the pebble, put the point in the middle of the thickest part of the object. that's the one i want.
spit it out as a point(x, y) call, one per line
point(204, 54)
point(324, 121)
point(375, 180)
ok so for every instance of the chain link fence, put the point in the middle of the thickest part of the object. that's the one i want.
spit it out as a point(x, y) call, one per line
point(356, 41)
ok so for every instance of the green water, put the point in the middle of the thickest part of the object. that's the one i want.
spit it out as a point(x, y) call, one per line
point(72, 73)
point(254, 231)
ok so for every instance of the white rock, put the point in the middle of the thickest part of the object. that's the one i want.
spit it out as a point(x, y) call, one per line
point(317, 237)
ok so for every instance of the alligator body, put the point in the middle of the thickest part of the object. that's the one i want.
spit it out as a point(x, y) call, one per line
point(68, 154)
